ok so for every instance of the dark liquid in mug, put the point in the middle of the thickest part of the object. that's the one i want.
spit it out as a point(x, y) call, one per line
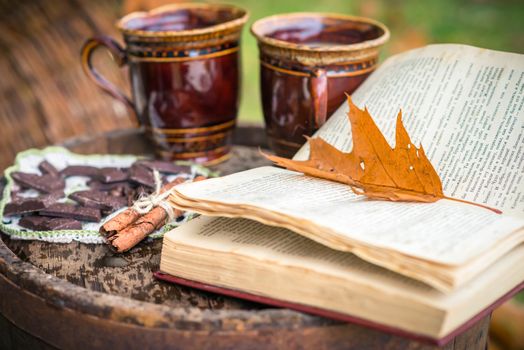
point(179, 20)
point(315, 33)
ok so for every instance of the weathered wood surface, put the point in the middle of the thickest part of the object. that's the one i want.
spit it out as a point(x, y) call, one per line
point(77, 295)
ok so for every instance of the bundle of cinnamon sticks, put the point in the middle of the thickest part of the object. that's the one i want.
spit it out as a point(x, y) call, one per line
point(130, 227)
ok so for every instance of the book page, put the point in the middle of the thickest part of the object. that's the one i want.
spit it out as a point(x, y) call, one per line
point(430, 231)
point(464, 105)
point(226, 252)
point(251, 257)
point(280, 245)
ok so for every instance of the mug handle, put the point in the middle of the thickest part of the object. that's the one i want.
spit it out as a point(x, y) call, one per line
point(318, 86)
point(118, 55)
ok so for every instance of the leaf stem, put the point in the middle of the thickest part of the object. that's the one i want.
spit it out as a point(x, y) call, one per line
point(473, 203)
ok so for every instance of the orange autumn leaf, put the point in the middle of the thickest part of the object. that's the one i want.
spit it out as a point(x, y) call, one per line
point(373, 168)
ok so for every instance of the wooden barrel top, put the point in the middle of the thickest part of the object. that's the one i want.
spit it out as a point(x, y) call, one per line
point(85, 296)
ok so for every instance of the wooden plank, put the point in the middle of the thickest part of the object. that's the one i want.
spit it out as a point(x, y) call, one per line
point(66, 328)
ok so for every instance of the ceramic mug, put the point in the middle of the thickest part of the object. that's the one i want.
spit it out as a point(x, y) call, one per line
point(184, 68)
point(308, 61)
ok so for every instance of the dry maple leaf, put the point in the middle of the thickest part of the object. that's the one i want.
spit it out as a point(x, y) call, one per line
point(373, 168)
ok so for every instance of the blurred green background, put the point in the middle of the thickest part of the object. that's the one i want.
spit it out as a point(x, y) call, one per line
point(45, 98)
point(492, 24)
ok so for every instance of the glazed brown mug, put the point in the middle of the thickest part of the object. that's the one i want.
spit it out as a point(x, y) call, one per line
point(308, 61)
point(184, 68)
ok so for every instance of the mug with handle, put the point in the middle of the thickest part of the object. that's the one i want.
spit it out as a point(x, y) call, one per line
point(308, 62)
point(184, 68)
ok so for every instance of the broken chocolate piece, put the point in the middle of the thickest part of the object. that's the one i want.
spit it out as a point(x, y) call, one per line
point(33, 222)
point(71, 211)
point(28, 205)
point(110, 175)
point(99, 200)
point(142, 176)
point(100, 186)
point(44, 183)
point(80, 170)
point(48, 169)
point(57, 224)
point(164, 166)
point(43, 223)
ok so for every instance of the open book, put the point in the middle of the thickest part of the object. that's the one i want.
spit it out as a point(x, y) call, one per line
point(466, 106)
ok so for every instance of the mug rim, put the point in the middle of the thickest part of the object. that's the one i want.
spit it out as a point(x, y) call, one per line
point(263, 38)
point(233, 23)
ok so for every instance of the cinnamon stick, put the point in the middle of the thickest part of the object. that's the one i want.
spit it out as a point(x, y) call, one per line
point(119, 222)
point(137, 231)
point(126, 237)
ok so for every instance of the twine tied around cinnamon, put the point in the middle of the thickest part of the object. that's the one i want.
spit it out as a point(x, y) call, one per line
point(145, 203)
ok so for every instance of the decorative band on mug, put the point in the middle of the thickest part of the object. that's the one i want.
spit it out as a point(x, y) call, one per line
point(204, 138)
point(140, 46)
point(347, 70)
point(188, 155)
point(199, 130)
point(176, 55)
point(133, 36)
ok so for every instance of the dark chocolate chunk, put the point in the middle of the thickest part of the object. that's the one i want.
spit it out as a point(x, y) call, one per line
point(44, 223)
point(71, 211)
point(33, 222)
point(110, 175)
point(20, 207)
point(44, 183)
point(99, 200)
point(142, 176)
point(48, 169)
point(164, 166)
point(80, 170)
point(28, 205)
point(57, 224)
point(100, 186)
point(57, 194)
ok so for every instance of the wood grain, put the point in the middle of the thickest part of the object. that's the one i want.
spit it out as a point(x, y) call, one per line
point(79, 291)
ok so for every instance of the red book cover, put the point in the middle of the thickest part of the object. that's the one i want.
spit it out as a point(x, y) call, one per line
point(335, 315)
